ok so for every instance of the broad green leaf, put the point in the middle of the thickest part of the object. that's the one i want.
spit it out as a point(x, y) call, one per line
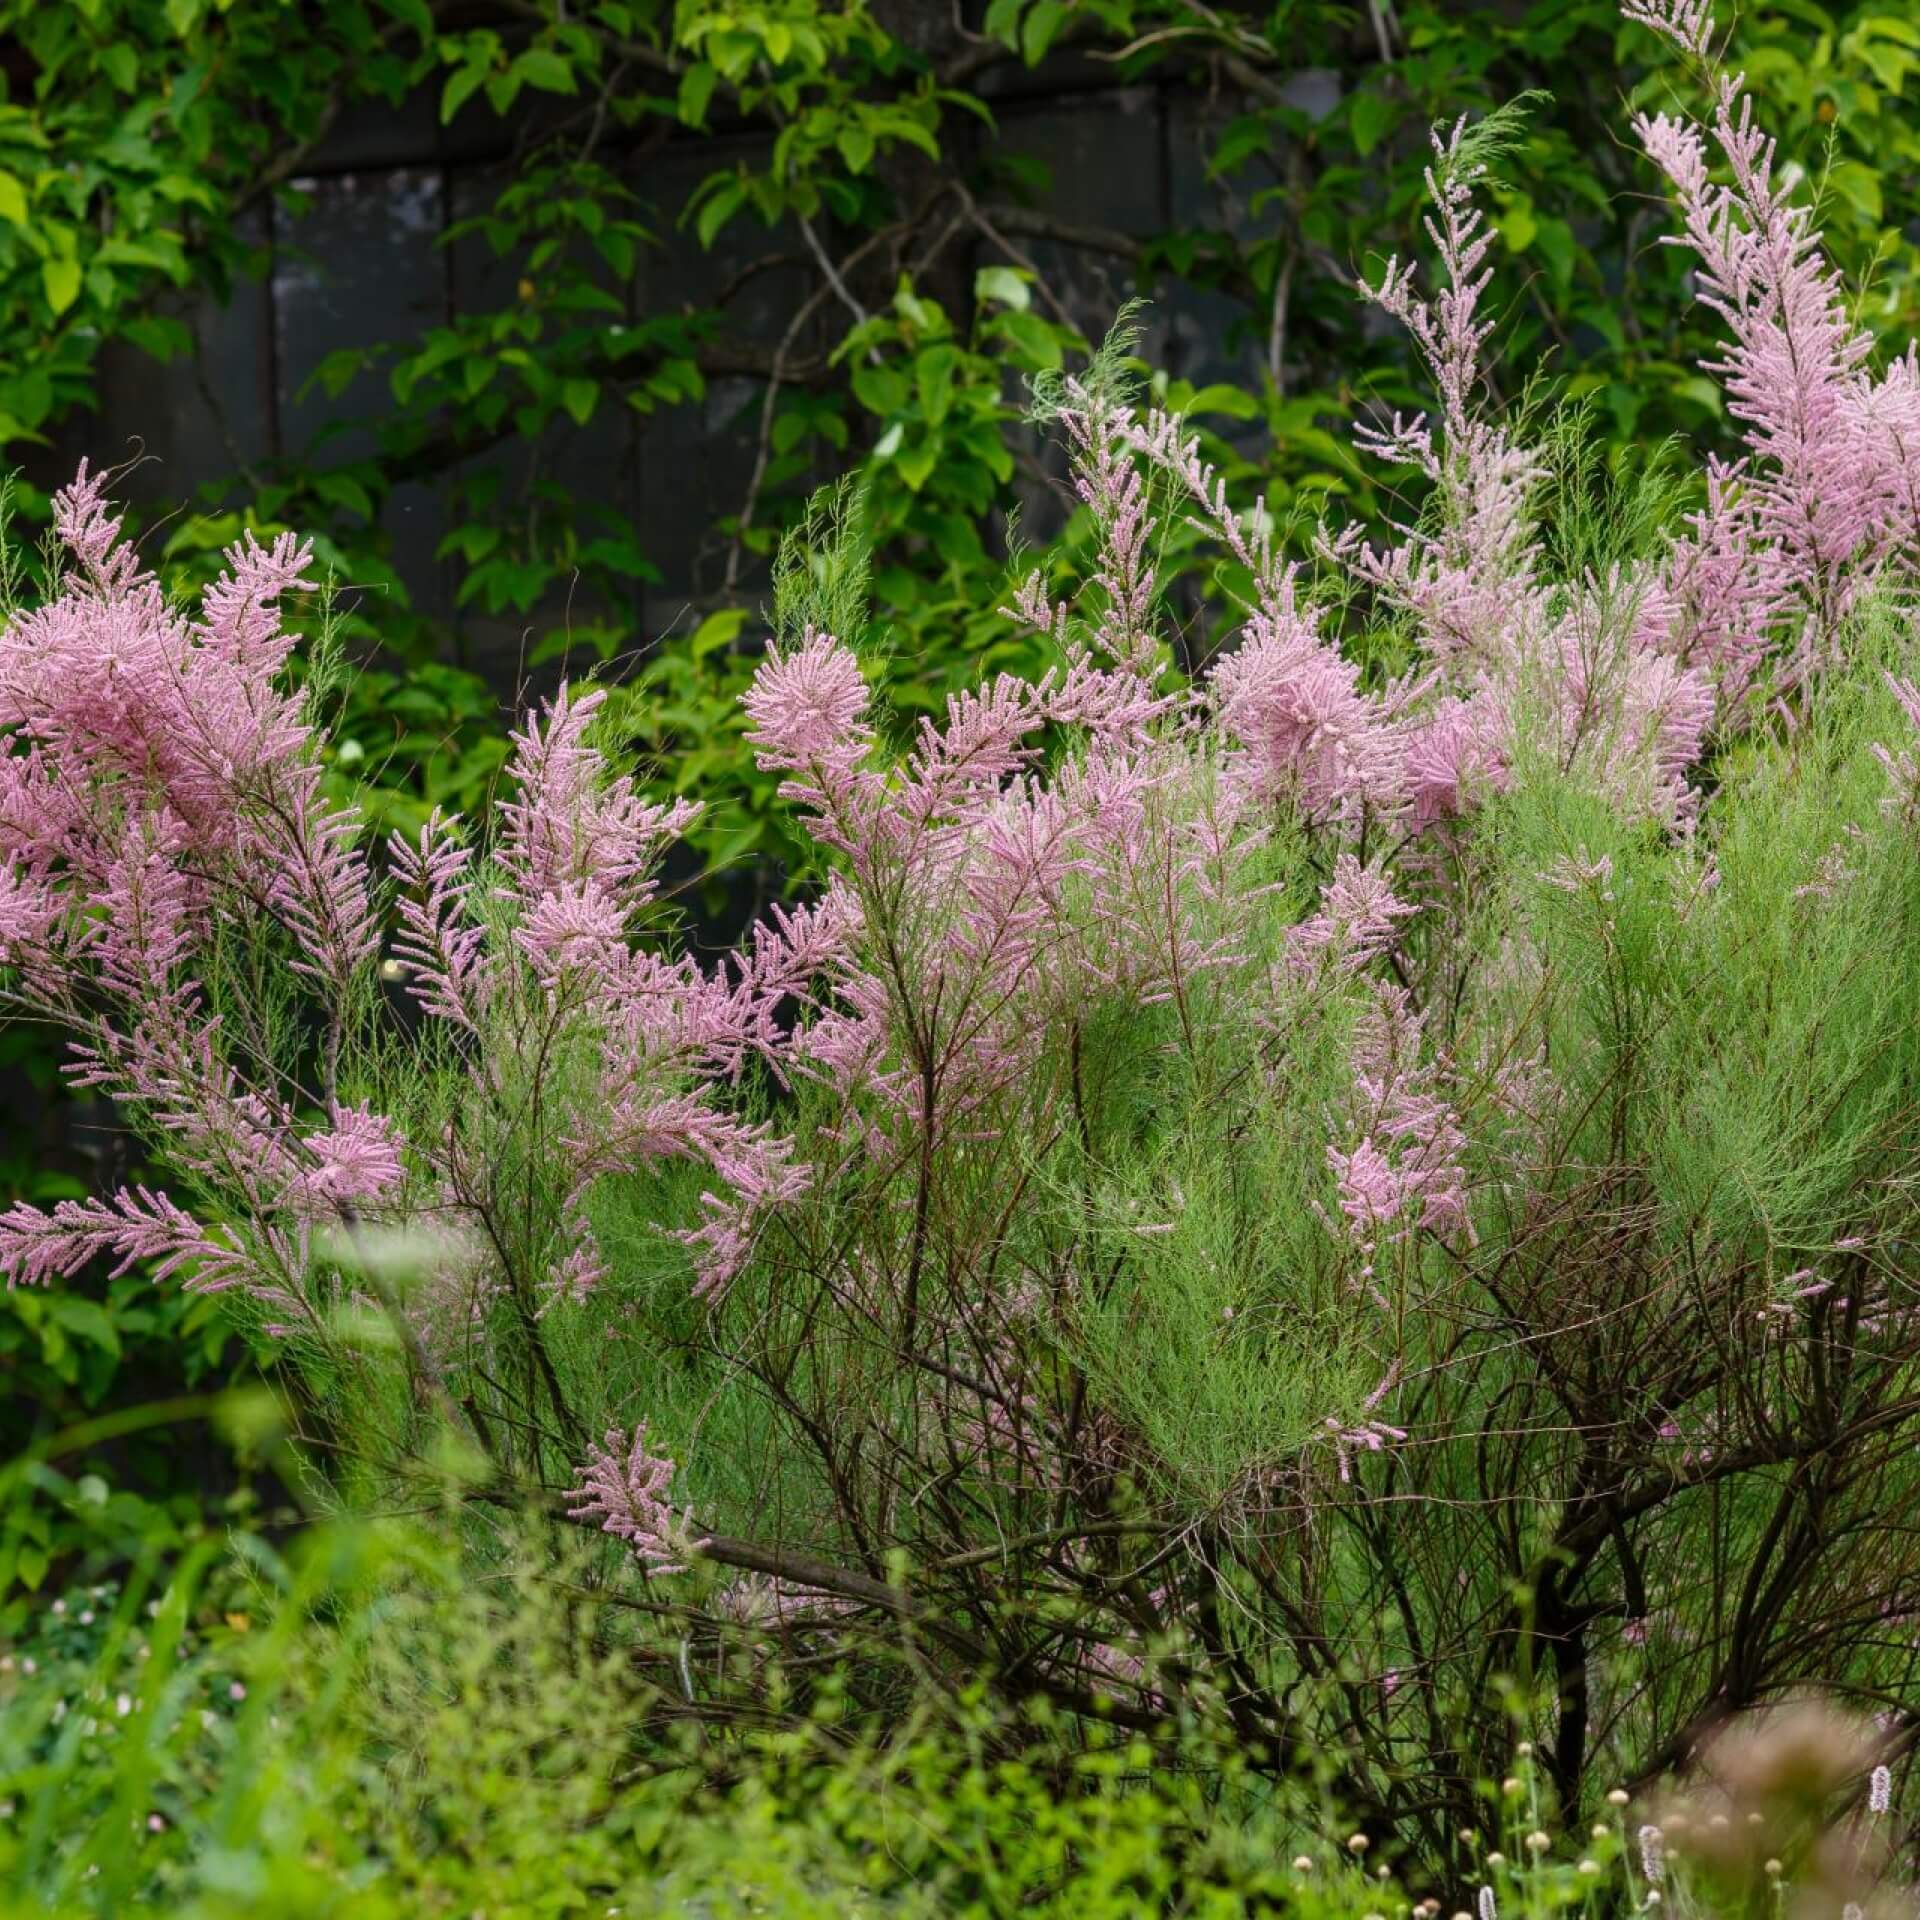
point(343, 490)
point(1235, 402)
point(461, 85)
point(720, 629)
point(1372, 119)
point(933, 376)
point(880, 390)
point(30, 396)
point(1703, 392)
point(160, 336)
point(60, 277)
point(1859, 186)
point(13, 200)
point(719, 207)
point(1003, 22)
point(120, 65)
point(855, 142)
point(733, 53)
point(86, 1319)
point(915, 133)
point(413, 13)
point(1555, 243)
point(1004, 285)
point(1035, 340)
point(544, 69)
point(696, 89)
point(1246, 137)
point(1518, 226)
point(915, 466)
point(1040, 29)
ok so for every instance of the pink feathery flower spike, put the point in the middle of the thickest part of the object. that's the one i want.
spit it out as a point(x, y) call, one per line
point(624, 1487)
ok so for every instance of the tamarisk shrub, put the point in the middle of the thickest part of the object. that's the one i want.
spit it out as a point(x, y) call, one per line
point(1346, 1198)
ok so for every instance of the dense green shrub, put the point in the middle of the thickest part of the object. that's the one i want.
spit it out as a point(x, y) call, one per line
point(351, 1726)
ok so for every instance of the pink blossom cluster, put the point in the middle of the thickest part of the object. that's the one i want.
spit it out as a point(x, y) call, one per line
point(769, 1601)
point(1002, 894)
point(160, 792)
point(575, 864)
point(1826, 494)
point(1406, 1167)
point(161, 810)
point(624, 1488)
